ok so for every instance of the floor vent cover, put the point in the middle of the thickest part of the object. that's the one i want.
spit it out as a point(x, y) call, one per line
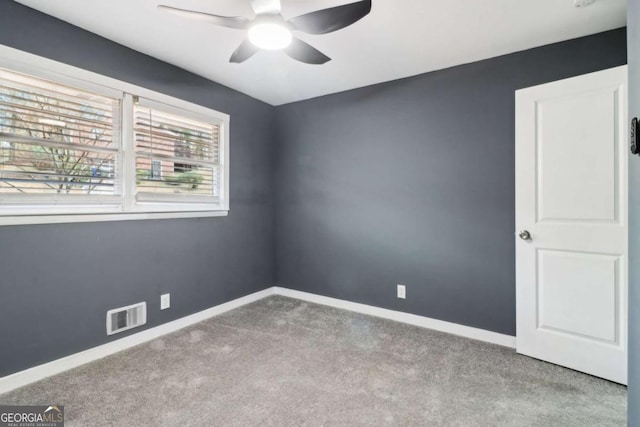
point(124, 318)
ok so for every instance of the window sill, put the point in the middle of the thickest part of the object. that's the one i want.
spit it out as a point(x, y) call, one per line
point(101, 217)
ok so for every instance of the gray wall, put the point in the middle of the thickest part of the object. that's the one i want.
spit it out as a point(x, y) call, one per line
point(412, 182)
point(58, 281)
point(633, 19)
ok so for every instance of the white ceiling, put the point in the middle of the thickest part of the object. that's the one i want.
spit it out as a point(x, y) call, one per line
point(400, 38)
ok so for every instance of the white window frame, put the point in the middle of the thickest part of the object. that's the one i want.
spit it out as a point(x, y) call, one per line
point(127, 208)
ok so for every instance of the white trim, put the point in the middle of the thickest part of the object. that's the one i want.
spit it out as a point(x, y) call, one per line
point(128, 154)
point(225, 164)
point(399, 316)
point(190, 113)
point(60, 219)
point(40, 372)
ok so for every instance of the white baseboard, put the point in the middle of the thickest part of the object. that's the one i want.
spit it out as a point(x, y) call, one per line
point(399, 316)
point(37, 373)
point(40, 372)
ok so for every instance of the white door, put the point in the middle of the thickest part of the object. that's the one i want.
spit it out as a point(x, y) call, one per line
point(571, 223)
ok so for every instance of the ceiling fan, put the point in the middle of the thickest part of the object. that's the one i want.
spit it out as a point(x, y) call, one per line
point(269, 30)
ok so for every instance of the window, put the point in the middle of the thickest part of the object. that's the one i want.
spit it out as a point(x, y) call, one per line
point(186, 151)
point(6, 152)
point(156, 170)
point(70, 145)
point(57, 142)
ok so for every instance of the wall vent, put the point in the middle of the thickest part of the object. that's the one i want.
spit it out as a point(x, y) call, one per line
point(125, 318)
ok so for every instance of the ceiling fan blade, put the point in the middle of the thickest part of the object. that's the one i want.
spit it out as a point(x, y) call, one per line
point(332, 19)
point(245, 51)
point(305, 53)
point(261, 7)
point(237, 22)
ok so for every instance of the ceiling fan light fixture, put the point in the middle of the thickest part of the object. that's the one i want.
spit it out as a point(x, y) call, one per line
point(270, 35)
point(269, 30)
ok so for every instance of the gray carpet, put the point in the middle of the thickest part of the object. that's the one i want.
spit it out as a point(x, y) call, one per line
point(283, 362)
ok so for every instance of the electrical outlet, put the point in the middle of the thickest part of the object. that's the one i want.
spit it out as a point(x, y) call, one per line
point(165, 301)
point(402, 291)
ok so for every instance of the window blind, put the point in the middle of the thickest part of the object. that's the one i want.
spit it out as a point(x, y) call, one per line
point(76, 144)
point(177, 156)
point(57, 143)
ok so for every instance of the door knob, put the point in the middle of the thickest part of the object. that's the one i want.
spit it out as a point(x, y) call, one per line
point(525, 235)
